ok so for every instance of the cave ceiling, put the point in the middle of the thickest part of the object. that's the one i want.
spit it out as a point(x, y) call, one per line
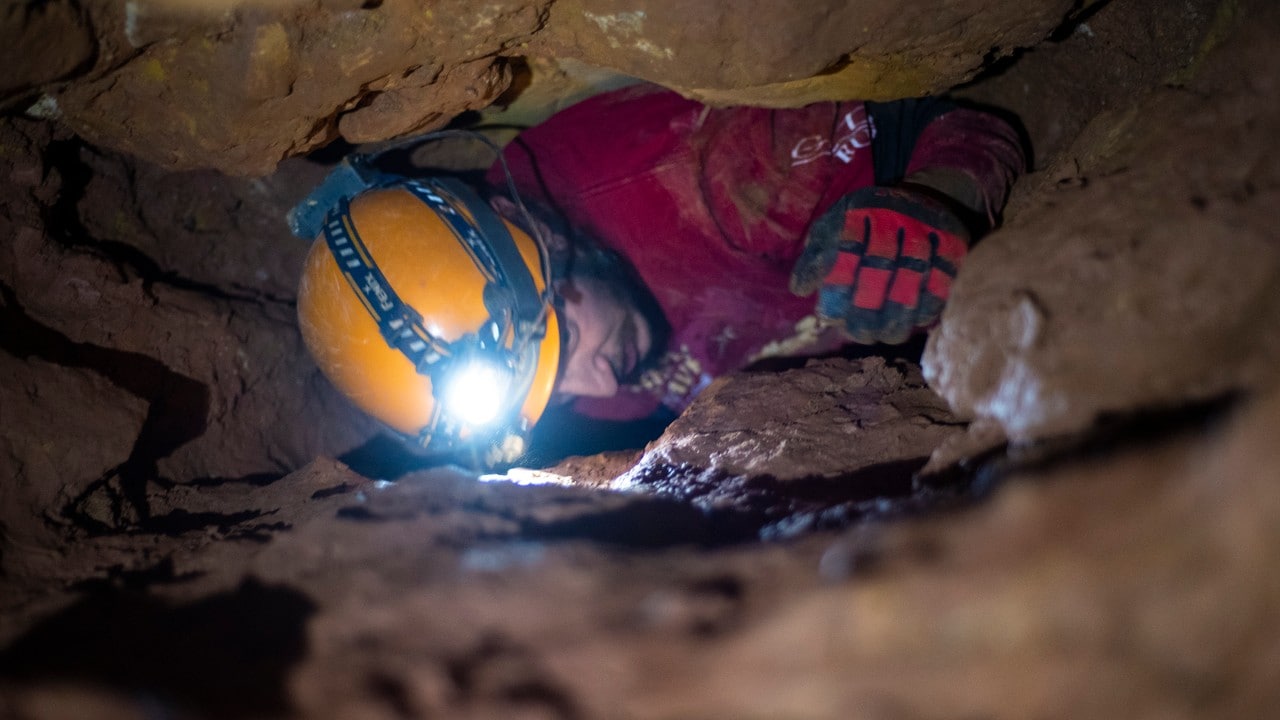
point(239, 86)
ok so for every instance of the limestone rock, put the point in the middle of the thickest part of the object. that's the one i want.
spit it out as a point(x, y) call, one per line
point(764, 53)
point(816, 445)
point(829, 418)
point(1136, 282)
point(52, 450)
point(43, 42)
point(240, 88)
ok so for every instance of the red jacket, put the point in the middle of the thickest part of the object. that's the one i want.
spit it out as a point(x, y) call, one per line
point(711, 206)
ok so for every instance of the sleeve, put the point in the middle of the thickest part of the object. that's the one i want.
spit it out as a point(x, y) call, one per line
point(979, 147)
point(898, 125)
point(971, 155)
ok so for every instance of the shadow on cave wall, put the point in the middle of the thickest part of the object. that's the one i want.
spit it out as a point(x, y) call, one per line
point(176, 414)
point(224, 656)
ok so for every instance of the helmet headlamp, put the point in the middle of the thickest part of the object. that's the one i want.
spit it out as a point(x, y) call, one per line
point(474, 392)
point(476, 389)
point(480, 381)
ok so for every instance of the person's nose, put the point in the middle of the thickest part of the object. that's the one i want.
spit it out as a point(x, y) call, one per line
point(604, 380)
point(591, 377)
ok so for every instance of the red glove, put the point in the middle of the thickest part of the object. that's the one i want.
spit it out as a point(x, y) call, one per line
point(884, 258)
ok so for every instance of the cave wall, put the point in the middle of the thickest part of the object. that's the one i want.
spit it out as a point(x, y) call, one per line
point(150, 335)
point(1140, 269)
point(241, 86)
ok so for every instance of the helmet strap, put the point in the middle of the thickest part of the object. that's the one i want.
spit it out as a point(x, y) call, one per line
point(401, 326)
point(511, 294)
point(510, 297)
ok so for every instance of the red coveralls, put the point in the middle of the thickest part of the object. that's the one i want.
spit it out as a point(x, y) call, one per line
point(711, 206)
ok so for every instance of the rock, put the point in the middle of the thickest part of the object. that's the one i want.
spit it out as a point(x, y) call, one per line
point(762, 53)
point(829, 418)
point(52, 451)
point(191, 86)
point(1180, 268)
point(815, 446)
point(240, 92)
point(43, 42)
point(238, 571)
point(1129, 583)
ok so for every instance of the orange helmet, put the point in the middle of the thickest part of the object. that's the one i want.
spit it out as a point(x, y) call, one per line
point(433, 315)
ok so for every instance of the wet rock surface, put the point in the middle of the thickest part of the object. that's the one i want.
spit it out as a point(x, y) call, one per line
point(176, 539)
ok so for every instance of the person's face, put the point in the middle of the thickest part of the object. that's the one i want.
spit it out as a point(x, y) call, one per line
point(605, 340)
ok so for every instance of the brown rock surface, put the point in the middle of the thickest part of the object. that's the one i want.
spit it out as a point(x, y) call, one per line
point(1137, 584)
point(807, 447)
point(1144, 277)
point(1131, 583)
point(192, 317)
point(43, 42)
point(1109, 60)
point(202, 86)
point(51, 451)
point(239, 87)
point(855, 413)
point(763, 53)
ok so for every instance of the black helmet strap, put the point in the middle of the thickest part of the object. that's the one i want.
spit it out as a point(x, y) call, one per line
point(510, 295)
point(401, 326)
point(510, 292)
